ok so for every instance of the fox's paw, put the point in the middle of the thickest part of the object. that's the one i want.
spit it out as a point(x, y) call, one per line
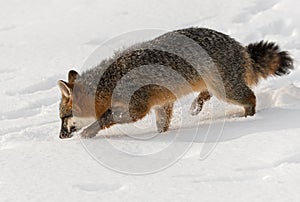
point(91, 131)
point(87, 134)
point(162, 129)
point(195, 108)
point(198, 103)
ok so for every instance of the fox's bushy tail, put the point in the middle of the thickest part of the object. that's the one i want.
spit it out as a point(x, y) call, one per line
point(269, 60)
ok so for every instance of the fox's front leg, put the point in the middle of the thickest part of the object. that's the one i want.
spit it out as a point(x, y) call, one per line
point(198, 103)
point(105, 121)
point(110, 117)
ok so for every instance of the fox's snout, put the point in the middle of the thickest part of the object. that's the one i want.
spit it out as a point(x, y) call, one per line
point(65, 133)
point(67, 127)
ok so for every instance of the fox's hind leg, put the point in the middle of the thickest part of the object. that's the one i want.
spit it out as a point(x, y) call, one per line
point(249, 104)
point(163, 117)
point(244, 96)
point(198, 102)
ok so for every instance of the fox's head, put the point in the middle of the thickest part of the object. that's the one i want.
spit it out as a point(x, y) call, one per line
point(66, 105)
point(75, 108)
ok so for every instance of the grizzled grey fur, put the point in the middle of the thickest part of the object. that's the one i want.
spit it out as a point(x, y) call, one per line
point(173, 65)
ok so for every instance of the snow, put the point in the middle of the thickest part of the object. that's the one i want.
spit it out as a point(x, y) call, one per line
point(255, 159)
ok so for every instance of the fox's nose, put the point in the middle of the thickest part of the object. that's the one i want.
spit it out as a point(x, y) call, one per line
point(64, 134)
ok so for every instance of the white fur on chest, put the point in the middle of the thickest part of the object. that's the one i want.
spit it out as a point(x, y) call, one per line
point(82, 122)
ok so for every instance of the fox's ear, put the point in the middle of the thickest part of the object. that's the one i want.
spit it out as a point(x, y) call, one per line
point(64, 88)
point(72, 76)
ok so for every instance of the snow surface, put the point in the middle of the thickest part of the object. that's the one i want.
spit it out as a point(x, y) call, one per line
point(256, 159)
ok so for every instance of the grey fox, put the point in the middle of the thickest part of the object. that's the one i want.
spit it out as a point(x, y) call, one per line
point(89, 96)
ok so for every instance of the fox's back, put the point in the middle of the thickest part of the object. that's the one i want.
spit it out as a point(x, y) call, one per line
point(186, 54)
